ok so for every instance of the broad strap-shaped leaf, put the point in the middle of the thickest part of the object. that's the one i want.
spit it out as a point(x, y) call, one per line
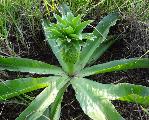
point(100, 32)
point(11, 88)
point(102, 29)
point(96, 107)
point(43, 100)
point(100, 50)
point(122, 91)
point(28, 65)
point(45, 115)
point(55, 48)
point(116, 65)
point(55, 107)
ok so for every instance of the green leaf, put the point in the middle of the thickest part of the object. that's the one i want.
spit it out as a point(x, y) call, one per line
point(28, 65)
point(102, 29)
point(55, 48)
point(100, 32)
point(43, 100)
point(11, 88)
point(116, 65)
point(57, 51)
point(56, 105)
point(60, 20)
point(68, 30)
point(100, 50)
point(55, 33)
point(79, 28)
point(122, 91)
point(45, 115)
point(96, 107)
point(70, 16)
point(76, 20)
point(64, 9)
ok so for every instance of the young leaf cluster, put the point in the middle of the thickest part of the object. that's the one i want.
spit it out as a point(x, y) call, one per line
point(67, 32)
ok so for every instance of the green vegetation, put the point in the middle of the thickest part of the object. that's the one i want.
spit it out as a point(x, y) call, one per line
point(134, 8)
point(67, 33)
point(22, 19)
point(19, 19)
point(13, 13)
point(94, 98)
point(137, 9)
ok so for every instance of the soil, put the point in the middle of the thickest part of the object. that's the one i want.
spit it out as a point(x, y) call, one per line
point(133, 42)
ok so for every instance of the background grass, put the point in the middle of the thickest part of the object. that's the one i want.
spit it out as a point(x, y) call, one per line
point(18, 17)
point(21, 19)
point(13, 11)
point(137, 8)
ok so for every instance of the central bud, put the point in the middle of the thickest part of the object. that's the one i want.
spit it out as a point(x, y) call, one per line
point(67, 32)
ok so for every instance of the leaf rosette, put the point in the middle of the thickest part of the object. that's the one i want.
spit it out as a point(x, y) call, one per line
point(67, 37)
